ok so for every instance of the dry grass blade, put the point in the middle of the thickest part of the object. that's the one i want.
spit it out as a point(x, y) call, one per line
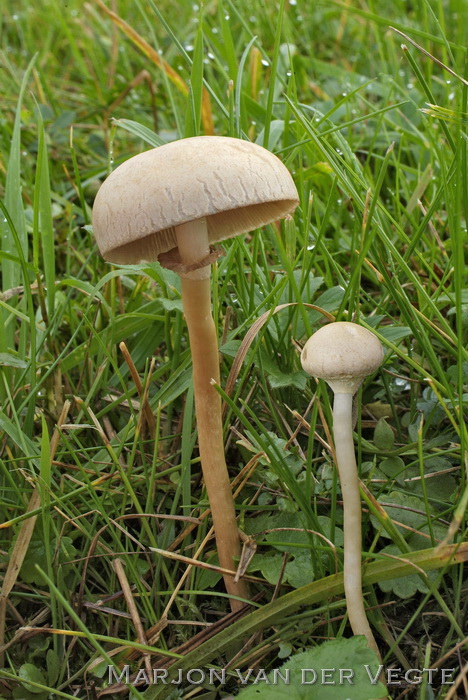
point(192, 562)
point(20, 548)
point(145, 48)
point(142, 391)
point(462, 677)
point(96, 540)
point(239, 482)
point(153, 55)
point(443, 659)
point(191, 644)
point(250, 337)
point(118, 567)
point(459, 515)
point(249, 548)
point(22, 632)
point(24, 536)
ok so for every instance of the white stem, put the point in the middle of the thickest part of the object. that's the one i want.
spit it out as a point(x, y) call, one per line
point(346, 462)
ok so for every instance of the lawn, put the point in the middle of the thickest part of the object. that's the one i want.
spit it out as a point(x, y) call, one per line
point(108, 564)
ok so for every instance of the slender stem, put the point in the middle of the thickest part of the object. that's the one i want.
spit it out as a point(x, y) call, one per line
point(346, 461)
point(196, 300)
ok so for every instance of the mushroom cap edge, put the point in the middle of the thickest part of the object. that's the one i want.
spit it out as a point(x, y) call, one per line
point(236, 185)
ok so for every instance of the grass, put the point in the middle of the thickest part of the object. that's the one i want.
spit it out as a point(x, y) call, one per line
point(374, 132)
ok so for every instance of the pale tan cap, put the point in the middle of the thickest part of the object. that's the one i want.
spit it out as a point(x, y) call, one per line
point(236, 185)
point(342, 352)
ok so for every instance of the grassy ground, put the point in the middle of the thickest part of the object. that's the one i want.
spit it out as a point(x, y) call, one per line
point(373, 130)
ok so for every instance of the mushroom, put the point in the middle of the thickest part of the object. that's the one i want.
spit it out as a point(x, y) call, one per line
point(169, 204)
point(343, 354)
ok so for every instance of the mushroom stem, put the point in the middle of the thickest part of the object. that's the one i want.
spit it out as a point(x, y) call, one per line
point(347, 468)
point(196, 301)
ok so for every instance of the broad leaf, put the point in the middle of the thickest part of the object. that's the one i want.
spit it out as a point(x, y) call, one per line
point(315, 675)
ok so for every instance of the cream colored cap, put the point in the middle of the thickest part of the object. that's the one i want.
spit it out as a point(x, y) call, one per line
point(237, 185)
point(343, 354)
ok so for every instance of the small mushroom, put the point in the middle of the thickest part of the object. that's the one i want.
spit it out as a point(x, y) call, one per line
point(343, 354)
point(170, 204)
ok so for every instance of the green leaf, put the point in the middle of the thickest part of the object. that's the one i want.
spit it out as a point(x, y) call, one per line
point(395, 333)
point(330, 300)
point(384, 438)
point(29, 672)
point(394, 468)
point(230, 348)
point(278, 379)
point(276, 131)
point(36, 554)
point(207, 578)
point(338, 535)
point(9, 360)
point(281, 379)
point(53, 666)
point(284, 540)
point(416, 539)
point(299, 572)
point(315, 675)
point(171, 304)
point(141, 131)
point(284, 650)
point(412, 514)
point(20, 693)
point(406, 586)
point(269, 566)
point(440, 487)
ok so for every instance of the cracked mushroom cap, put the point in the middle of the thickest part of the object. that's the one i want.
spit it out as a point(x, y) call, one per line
point(236, 185)
point(342, 354)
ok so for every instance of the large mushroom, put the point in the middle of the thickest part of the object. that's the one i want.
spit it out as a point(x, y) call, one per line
point(169, 204)
point(343, 354)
